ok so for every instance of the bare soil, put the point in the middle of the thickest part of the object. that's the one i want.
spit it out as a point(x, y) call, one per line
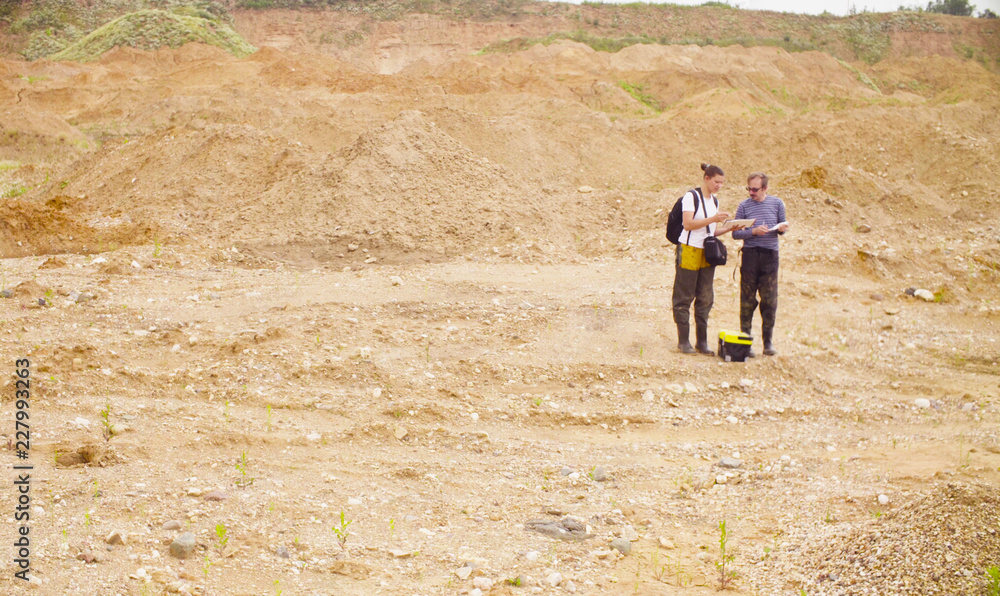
point(427, 293)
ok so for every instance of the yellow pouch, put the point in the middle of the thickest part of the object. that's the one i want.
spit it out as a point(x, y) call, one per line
point(692, 258)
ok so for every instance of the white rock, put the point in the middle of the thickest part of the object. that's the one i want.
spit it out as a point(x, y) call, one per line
point(690, 387)
point(532, 555)
point(377, 392)
point(925, 295)
point(883, 500)
point(483, 583)
point(732, 420)
point(922, 402)
point(476, 592)
point(314, 436)
point(136, 265)
point(353, 501)
point(746, 382)
point(721, 479)
point(585, 189)
point(396, 280)
point(81, 422)
point(554, 579)
point(463, 572)
point(98, 261)
point(648, 396)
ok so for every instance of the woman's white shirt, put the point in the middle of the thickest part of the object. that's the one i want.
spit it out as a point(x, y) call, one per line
point(705, 209)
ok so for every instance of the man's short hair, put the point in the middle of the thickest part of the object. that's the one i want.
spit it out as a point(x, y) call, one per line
point(761, 175)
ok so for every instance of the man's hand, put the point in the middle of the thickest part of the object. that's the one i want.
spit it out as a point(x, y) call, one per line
point(783, 228)
point(760, 230)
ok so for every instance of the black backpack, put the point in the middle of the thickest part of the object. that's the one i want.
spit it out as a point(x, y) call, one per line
point(675, 221)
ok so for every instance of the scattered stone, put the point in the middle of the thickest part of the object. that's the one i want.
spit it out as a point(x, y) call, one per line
point(396, 280)
point(648, 396)
point(730, 462)
point(746, 382)
point(87, 556)
point(400, 432)
point(554, 579)
point(566, 471)
point(665, 543)
point(599, 474)
point(629, 533)
point(172, 525)
point(883, 500)
point(690, 387)
point(401, 554)
point(925, 295)
point(283, 552)
point(183, 546)
point(352, 247)
point(968, 407)
point(732, 420)
point(5, 293)
point(863, 229)
point(721, 479)
point(567, 528)
point(216, 495)
point(585, 189)
point(876, 297)
point(891, 310)
point(622, 545)
point(116, 537)
point(922, 402)
point(354, 502)
point(532, 555)
point(483, 583)
point(352, 569)
point(463, 572)
point(136, 265)
point(195, 492)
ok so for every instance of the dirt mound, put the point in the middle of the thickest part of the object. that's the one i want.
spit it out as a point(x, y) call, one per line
point(151, 30)
point(941, 544)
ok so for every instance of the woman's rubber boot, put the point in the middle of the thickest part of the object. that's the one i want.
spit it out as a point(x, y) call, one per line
point(683, 343)
point(701, 334)
point(750, 353)
point(768, 346)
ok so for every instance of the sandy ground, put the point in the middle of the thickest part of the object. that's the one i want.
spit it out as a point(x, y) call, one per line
point(388, 331)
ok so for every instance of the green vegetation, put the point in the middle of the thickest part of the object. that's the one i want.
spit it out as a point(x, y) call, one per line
point(68, 30)
point(960, 8)
point(993, 580)
point(637, 93)
point(154, 29)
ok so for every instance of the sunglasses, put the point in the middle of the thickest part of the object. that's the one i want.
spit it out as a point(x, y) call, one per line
point(754, 189)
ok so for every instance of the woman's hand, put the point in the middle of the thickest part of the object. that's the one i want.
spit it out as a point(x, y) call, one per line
point(720, 217)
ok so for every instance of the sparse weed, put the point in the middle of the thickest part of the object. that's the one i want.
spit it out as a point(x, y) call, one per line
point(341, 531)
point(726, 574)
point(277, 587)
point(243, 467)
point(107, 428)
point(205, 566)
point(221, 538)
point(993, 580)
point(268, 417)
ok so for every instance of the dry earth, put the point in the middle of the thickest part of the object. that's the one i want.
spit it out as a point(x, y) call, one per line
point(428, 305)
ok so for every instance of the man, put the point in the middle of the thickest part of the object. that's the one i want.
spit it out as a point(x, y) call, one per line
point(759, 267)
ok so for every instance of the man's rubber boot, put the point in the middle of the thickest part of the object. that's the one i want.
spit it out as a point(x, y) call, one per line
point(701, 334)
point(683, 341)
point(768, 346)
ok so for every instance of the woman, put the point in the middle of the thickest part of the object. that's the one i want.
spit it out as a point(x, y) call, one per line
point(693, 276)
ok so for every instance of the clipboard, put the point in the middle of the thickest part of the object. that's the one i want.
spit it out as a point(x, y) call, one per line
point(746, 223)
point(776, 226)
